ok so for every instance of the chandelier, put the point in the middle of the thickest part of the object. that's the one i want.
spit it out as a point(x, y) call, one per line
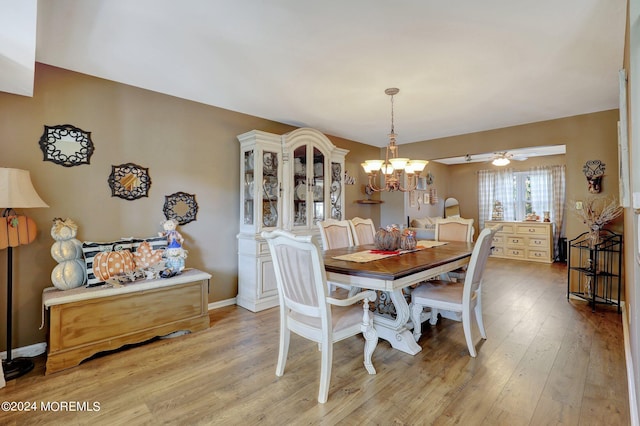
point(392, 166)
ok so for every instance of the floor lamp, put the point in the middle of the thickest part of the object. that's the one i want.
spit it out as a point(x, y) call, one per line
point(16, 191)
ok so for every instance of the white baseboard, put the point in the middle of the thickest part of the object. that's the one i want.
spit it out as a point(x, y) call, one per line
point(633, 402)
point(40, 348)
point(26, 351)
point(222, 303)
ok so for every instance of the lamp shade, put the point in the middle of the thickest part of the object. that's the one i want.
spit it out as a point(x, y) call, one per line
point(17, 191)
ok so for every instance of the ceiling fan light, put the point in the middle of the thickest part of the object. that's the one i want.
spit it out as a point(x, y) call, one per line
point(500, 161)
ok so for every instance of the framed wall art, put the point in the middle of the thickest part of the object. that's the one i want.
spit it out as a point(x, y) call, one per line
point(66, 145)
point(181, 207)
point(129, 181)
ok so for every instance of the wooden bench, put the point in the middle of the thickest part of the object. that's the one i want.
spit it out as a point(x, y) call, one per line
point(85, 321)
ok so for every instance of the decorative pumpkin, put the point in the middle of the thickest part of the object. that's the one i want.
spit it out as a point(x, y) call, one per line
point(71, 270)
point(16, 230)
point(387, 238)
point(66, 250)
point(110, 263)
point(69, 274)
point(408, 240)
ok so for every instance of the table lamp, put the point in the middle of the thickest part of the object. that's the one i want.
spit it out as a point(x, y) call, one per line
point(16, 191)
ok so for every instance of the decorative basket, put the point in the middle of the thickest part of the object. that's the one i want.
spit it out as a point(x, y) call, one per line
point(388, 238)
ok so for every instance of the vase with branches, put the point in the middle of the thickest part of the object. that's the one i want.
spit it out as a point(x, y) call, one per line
point(596, 212)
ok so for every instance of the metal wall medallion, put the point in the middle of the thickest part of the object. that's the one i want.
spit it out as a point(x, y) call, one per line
point(66, 145)
point(181, 207)
point(129, 181)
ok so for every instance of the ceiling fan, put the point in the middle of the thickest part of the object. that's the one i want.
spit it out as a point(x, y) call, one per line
point(503, 158)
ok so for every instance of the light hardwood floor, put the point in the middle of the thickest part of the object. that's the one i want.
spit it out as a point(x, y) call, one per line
point(547, 360)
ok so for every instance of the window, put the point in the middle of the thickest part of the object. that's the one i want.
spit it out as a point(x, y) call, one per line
point(522, 195)
point(537, 190)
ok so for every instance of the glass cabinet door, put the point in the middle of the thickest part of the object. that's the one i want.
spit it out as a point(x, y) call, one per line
point(317, 187)
point(249, 183)
point(309, 186)
point(269, 189)
point(300, 179)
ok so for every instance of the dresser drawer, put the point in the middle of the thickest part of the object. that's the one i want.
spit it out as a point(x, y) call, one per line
point(538, 255)
point(498, 251)
point(498, 239)
point(532, 229)
point(513, 241)
point(514, 252)
point(538, 242)
point(507, 228)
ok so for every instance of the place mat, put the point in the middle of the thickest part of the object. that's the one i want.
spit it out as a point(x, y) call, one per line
point(371, 255)
point(368, 255)
point(430, 243)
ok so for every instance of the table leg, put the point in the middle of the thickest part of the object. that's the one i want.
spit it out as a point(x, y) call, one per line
point(395, 330)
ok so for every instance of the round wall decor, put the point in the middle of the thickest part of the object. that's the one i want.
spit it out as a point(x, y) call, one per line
point(181, 207)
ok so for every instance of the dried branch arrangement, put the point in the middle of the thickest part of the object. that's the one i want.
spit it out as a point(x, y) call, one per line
point(597, 211)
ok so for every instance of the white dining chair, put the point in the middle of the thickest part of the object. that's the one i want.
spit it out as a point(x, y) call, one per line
point(335, 233)
point(363, 231)
point(306, 308)
point(454, 229)
point(461, 298)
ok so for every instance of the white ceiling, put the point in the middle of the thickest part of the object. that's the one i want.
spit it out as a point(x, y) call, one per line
point(462, 66)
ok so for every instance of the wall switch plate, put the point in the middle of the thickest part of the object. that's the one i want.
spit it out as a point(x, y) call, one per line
point(578, 205)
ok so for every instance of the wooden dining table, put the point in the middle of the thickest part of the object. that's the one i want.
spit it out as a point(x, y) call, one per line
point(393, 274)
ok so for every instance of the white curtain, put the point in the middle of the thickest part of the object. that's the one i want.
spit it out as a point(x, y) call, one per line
point(559, 199)
point(548, 194)
point(504, 181)
point(485, 196)
point(495, 185)
point(541, 190)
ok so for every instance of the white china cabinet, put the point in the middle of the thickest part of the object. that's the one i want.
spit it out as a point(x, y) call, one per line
point(289, 181)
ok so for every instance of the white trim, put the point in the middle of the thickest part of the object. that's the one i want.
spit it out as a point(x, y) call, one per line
point(222, 303)
point(633, 405)
point(26, 351)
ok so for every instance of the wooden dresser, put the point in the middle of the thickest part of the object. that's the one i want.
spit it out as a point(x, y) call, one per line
point(85, 321)
point(532, 241)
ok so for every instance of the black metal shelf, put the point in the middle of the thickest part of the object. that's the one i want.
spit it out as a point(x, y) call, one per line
point(593, 269)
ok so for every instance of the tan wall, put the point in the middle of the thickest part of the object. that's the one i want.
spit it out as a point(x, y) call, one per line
point(187, 147)
point(467, 194)
point(587, 137)
point(193, 148)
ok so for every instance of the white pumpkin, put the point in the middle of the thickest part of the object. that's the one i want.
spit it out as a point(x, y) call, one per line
point(63, 229)
point(66, 250)
point(71, 271)
point(69, 274)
